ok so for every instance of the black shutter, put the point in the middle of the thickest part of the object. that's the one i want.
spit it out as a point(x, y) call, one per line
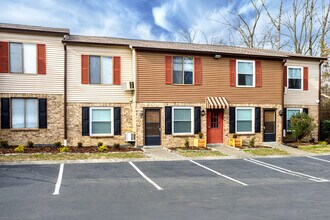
point(284, 119)
point(85, 121)
point(197, 111)
point(232, 118)
point(5, 113)
point(42, 113)
point(117, 120)
point(257, 119)
point(168, 120)
point(305, 110)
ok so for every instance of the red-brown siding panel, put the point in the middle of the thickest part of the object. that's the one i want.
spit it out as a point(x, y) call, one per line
point(258, 74)
point(116, 71)
point(285, 76)
point(305, 78)
point(168, 70)
point(198, 71)
point(4, 67)
point(232, 69)
point(41, 59)
point(84, 69)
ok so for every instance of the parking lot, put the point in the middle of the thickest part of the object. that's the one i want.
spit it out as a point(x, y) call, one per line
point(262, 188)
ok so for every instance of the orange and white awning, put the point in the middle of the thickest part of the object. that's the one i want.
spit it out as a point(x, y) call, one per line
point(216, 103)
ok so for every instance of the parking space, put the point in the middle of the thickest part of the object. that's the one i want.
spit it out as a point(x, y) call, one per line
point(199, 189)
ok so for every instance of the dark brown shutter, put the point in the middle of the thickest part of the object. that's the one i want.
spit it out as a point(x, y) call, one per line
point(197, 115)
point(168, 120)
point(85, 121)
point(285, 76)
point(41, 59)
point(305, 78)
point(198, 71)
point(305, 110)
point(168, 70)
point(5, 113)
point(4, 61)
point(232, 119)
point(84, 69)
point(116, 70)
point(42, 113)
point(257, 120)
point(232, 70)
point(258, 74)
point(117, 121)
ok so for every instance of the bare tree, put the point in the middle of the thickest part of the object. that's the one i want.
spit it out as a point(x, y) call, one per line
point(187, 35)
point(325, 27)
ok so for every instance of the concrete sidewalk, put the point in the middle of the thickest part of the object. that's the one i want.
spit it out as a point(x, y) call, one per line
point(293, 151)
point(161, 153)
point(231, 151)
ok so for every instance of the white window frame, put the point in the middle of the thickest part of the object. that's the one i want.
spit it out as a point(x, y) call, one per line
point(286, 122)
point(254, 72)
point(192, 120)
point(101, 81)
point(301, 74)
point(91, 121)
point(36, 58)
point(193, 72)
point(253, 120)
point(11, 115)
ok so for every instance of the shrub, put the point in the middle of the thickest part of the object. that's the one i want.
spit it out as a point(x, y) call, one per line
point(116, 145)
point(58, 144)
point(80, 144)
point(200, 135)
point(99, 144)
point(325, 130)
point(186, 142)
point(64, 149)
point(252, 142)
point(103, 148)
point(327, 139)
point(323, 143)
point(30, 144)
point(19, 149)
point(4, 143)
point(302, 125)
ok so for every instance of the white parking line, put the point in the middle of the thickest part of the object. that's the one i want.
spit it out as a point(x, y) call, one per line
point(145, 177)
point(59, 180)
point(316, 158)
point(286, 171)
point(219, 174)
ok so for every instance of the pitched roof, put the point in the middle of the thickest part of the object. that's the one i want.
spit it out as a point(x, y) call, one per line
point(5, 26)
point(184, 47)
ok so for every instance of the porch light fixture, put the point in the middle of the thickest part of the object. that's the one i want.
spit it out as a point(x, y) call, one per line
point(141, 113)
point(217, 56)
point(280, 112)
point(203, 112)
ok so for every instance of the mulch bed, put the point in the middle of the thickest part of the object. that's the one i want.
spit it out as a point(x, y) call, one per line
point(189, 148)
point(254, 147)
point(72, 149)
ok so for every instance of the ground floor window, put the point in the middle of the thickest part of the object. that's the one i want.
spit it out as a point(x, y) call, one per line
point(289, 113)
point(24, 113)
point(182, 120)
point(101, 122)
point(244, 120)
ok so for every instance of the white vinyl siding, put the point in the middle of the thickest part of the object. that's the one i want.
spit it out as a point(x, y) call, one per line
point(101, 121)
point(24, 113)
point(245, 73)
point(244, 120)
point(182, 120)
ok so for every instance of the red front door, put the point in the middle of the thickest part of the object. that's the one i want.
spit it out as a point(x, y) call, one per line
point(214, 126)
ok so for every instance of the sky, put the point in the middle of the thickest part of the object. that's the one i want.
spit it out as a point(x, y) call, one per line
point(136, 19)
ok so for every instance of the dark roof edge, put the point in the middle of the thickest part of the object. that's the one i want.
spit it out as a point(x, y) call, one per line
point(17, 27)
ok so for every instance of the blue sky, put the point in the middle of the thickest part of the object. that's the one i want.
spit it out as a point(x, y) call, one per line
point(138, 19)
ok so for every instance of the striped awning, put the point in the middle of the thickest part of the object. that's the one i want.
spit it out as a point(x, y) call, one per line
point(216, 102)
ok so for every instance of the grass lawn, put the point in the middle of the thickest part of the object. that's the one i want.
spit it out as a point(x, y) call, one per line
point(318, 149)
point(70, 156)
point(199, 153)
point(266, 151)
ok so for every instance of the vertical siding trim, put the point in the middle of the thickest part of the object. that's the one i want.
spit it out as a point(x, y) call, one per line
point(4, 61)
point(232, 70)
point(41, 58)
point(198, 71)
point(258, 74)
point(84, 69)
point(305, 78)
point(168, 70)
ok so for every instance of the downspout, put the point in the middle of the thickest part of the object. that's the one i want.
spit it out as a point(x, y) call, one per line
point(283, 66)
point(319, 104)
point(65, 96)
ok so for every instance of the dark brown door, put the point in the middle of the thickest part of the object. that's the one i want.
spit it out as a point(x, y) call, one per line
point(152, 126)
point(269, 125)
point(214, 126)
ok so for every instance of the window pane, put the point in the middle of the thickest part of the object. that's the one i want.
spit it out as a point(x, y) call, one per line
point(290, 113)
point(182, 114)
point(295, 73)
point(188, 77)
point(244, 114)
point(245, 68)
point(106, 70)
point(188, 70)
point(16, 58)
point(94, 70)
point(101, 115)
point(31, 114)
point(177, 70)
point(245, 80)
point(294, 83)
point(182, 127)
point(17, 113)
point(30, 58)
point(101, 127)
point(244, 126)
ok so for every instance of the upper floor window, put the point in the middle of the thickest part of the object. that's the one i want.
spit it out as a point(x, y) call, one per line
point(23, 58)
point(245, 73)
point(100, 70)
point(24, 113)
point(244, 120)
point(295, 77)
point(183, 70)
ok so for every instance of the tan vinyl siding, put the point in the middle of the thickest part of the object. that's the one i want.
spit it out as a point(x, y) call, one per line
point(52, 82)
point(302, 97)
point(215, 82)
point(78, 92)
